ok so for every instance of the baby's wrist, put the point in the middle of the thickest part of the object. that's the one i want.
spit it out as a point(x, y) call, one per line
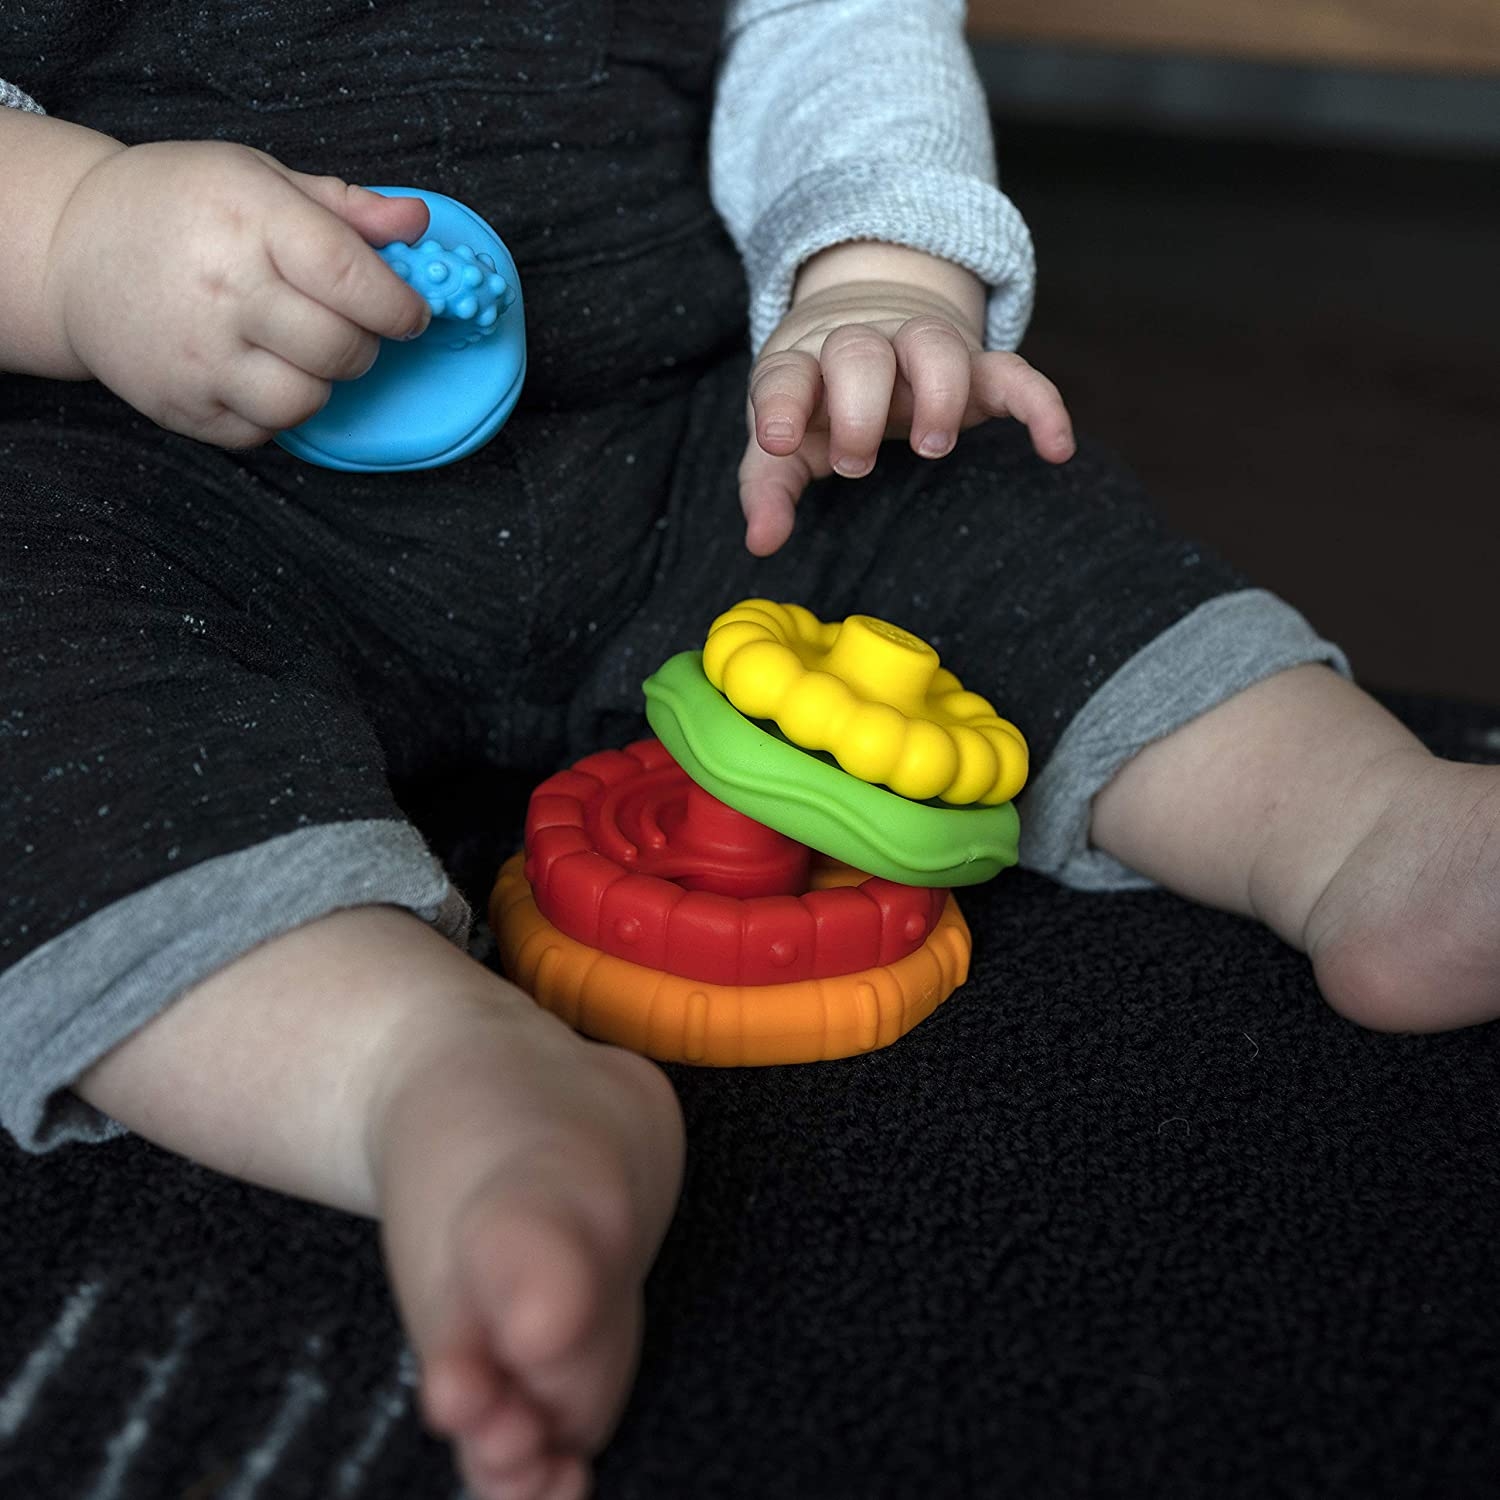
point(46, 161)
point(865, 261)
point(76, 228)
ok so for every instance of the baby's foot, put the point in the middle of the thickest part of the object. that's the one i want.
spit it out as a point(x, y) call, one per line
point(1406, 934)
point(527, 1177)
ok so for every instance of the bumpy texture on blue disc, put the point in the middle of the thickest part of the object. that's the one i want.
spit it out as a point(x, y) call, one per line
point(460, 284)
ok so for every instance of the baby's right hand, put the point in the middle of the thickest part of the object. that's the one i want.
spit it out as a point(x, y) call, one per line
point(219, 292)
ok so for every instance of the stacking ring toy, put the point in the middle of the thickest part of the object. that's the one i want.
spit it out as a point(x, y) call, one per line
point(814, 802)
point(668, 898)
point(872, 695)
point(434, 399)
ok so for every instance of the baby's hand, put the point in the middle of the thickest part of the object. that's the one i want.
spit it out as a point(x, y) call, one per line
point(852, 365)
point(219, 292)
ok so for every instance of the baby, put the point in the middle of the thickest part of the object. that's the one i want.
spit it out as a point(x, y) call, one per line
point(341, 1046)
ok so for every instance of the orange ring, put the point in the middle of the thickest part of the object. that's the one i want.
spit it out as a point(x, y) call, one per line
point(685, 1020)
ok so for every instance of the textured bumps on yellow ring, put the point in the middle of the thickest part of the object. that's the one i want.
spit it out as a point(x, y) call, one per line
point(871, 695)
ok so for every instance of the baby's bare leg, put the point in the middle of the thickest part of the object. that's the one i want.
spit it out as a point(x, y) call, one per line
point(1302, 802)
point(524, 1176)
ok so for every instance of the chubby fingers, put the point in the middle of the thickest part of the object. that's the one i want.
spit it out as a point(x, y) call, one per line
point(377, 218)
point(317, 249)
point(859, 377)
point(852, 377)
point(771, 484)
point(309, 335)
point(936, 364)
point(785, 389)
point(1004, 385)
point(257, 394)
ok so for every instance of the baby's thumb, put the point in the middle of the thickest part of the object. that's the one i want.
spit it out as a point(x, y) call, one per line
point(377, 219)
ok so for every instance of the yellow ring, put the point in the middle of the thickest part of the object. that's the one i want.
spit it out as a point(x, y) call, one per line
point(870, 694)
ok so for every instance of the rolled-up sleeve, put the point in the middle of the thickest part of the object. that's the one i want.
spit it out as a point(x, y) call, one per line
point(838, 120)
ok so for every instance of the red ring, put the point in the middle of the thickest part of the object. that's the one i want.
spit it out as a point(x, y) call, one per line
point(625, 853)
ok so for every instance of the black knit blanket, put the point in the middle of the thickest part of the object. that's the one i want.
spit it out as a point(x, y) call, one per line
point(1134, 1213)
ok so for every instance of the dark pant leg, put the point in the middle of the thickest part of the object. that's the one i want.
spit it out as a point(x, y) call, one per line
point(187, 768)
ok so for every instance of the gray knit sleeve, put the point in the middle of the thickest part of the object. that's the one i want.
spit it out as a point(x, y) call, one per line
point(12, 98)
point(843, 120)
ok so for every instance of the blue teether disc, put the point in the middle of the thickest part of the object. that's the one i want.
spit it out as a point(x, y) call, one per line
point(425, 402)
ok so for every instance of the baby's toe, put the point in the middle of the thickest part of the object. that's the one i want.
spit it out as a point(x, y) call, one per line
point(512, 1435)
point(459, 1389)
point(552, 1477)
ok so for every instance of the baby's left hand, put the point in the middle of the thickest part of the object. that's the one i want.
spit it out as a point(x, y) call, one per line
point(855, 364)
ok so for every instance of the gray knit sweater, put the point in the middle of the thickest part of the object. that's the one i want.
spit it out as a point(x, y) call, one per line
point(841, 120)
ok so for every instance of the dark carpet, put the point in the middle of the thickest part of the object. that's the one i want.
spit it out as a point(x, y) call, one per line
point(1132, 1214)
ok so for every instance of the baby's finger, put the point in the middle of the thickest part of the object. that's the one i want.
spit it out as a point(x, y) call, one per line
point(785, 389)
point(211, 422)
point(376, 217)
point(935, 361)
point(325, 259)
point(308, 335)
point(269, 393)
point(770, 488)
point(859, 375)
point(1005, 385)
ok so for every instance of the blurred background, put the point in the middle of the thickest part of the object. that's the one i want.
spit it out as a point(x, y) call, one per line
point(1269, 248)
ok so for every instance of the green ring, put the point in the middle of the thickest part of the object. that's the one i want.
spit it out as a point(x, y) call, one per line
point(870, 827)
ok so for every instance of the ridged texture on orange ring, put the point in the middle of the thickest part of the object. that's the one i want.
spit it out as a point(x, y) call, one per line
point(683, 1020)
point(870, 694)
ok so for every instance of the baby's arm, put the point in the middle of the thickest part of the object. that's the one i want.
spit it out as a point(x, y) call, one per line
point(214, 289)
point(853, 164)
